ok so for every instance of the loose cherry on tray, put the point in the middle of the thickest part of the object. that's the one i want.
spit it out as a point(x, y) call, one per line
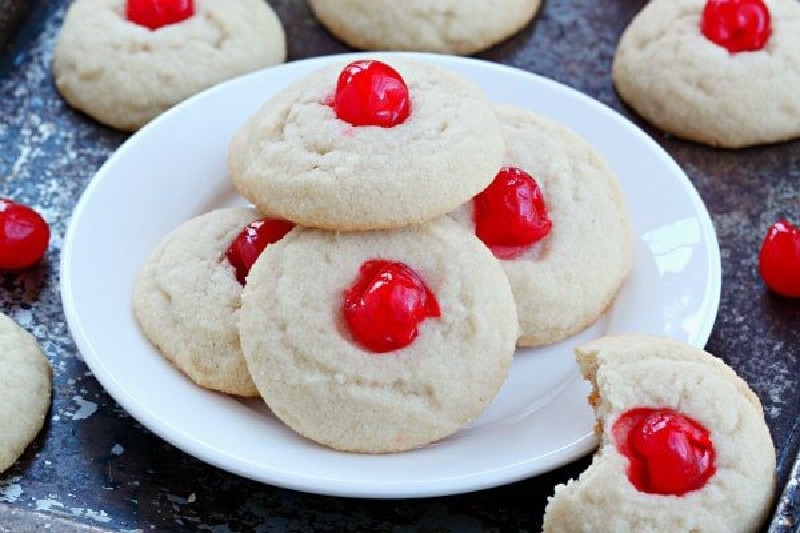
point(669, 453)
point(737, 25)
point(779, 259)
point(251, 241)
point(371, 93)
point(385, 305)
point(510, 214)
point(155, 14)
point(24, 236)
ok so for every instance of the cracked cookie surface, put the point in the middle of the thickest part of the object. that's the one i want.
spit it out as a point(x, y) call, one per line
point(124, 75)
point(444, 26)
point(186, 298)
point(295, 160)
point(563, 283)
point(25, 390)
point(326, 387)
point(688, 86)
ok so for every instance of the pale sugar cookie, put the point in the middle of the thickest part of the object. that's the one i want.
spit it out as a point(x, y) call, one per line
point(738, 93)
point(25, 383)
point(578, 247)
point(186, 298)
point(684, 446)
point(444, 26)
point(331, 362)
point(438, 145)
point(124, 74)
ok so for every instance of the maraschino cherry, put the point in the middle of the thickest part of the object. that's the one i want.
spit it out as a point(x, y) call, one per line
point(737, 25)
point(155, 14)
point(251, 241)
point(371, 93)
point(385, 305)
point(669, 453)
point(779, 260)
point(24, 236)
point(510, 214)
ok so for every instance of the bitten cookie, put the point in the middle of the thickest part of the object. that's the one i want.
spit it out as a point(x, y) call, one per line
point(124, 74)
point(25, 383)
point(378, 341)
point(449, 26)
point(296, 159)
point(684, 446)
point(578, 247)
point(186, 298)
point(673, 75)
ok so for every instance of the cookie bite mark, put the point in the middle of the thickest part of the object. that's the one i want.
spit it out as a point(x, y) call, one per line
point(385, 305)
point(737, 25)
point(669, 453)
point(371, 93)
point(155, 14)
point(510, 215)
point(252, 240)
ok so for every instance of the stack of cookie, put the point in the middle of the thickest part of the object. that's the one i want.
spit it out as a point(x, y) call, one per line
point(372, 321)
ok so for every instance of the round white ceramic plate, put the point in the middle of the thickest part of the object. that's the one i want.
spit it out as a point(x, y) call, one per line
point(174, 169)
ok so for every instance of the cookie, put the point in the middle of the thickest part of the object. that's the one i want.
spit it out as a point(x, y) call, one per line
point(675, 77)
point(295, 159)
point(449, 27)
point(186, 298)
point(684, 446)
point(317, 367)
point(566, 279)
point(123, 74)
point(25, 383)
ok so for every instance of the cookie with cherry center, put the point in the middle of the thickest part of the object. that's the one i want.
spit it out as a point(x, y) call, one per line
point(683, 444)
point(718, 72)
point(556, 217)
point(124, 62)
point(188, 292)
point(368, 145)
point(378, 341)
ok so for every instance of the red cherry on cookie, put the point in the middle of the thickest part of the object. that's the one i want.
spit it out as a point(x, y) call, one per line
point(371, 93)
point(385, 304)
point(155, 14)
point(669, 453)
point(251, 241)
point(737, 25)
point(779, 260)
point(24, 236)
point(510, 214)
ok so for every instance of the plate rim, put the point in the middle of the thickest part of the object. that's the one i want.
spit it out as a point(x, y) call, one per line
point(359, 488)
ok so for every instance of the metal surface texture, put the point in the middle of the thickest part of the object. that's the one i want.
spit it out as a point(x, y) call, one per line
point(94, 468)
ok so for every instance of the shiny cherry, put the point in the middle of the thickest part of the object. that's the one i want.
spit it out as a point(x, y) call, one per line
point(251, 241)
point(24, 236)
point(737, 25)
point(371, 93)
point(385, 305)
point(155, 14)
point(669, 453)
point(510, 214)
point(779, 260)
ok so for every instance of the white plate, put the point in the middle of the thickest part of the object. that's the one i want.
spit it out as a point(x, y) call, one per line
point(174, 169)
